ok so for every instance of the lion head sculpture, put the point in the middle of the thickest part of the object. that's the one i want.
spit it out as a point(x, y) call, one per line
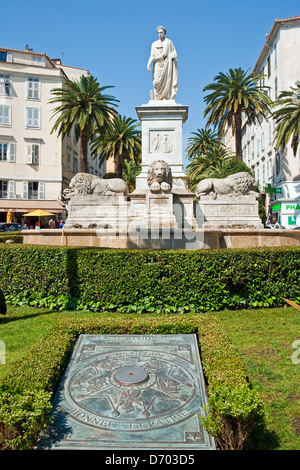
point(234, 185)
point(84, 184)
point(159, 177)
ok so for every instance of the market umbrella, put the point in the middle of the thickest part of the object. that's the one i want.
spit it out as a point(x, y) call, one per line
point(8, 217)
point(38, 213)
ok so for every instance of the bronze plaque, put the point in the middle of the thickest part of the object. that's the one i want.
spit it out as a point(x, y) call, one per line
point(131, 392)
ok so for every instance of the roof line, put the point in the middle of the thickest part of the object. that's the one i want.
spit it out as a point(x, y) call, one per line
point(267, 46)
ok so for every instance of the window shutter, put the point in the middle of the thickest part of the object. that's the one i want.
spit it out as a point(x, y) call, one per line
point(33, 88)
point(9, 57)
point(41, 190)
point(28, 156)
point(5, 115)
point(35, 154)
point(28, 117)
point(12, 152)
point(25, 189)
point(11, 189)
point(33, 117)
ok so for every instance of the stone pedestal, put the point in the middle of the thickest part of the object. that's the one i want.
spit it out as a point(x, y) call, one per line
point(97, 212)
point(228, 212)
point(162, 123)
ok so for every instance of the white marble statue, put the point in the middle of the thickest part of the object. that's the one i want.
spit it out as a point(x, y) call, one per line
point(165, 73)
point(159, 177)
point(237, 184)
point(85, 184)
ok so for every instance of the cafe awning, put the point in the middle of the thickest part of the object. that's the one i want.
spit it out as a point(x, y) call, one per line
point(21, 205)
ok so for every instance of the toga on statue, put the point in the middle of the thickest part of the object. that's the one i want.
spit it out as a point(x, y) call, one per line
point(165, 73)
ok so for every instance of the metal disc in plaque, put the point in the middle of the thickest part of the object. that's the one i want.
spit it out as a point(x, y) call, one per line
point(131, 392)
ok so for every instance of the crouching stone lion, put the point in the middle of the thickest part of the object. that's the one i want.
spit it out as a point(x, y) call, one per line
point(234, 185)
point(84, 184)
point(159, 177)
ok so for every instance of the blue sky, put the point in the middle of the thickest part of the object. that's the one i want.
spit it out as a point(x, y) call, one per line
point(112, 39)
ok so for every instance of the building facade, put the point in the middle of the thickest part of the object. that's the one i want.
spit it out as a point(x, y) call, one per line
point(276, 171)
point(35, 164)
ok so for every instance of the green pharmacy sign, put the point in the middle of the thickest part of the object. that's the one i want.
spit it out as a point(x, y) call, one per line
point(271, 190)
point(293, 207)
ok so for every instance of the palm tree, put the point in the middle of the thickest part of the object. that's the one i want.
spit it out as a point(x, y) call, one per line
point(209, 165)
point(288, 118)
point(121, 141)
point(232, 94)
point(131, 169)
point(83, 105)
point(201, 142)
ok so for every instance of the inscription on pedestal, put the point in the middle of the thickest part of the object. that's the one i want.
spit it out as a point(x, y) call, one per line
point(138, 392)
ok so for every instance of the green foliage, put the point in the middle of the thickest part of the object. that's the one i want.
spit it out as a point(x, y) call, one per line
point(146, 281)
point(121, 141)
point(234, 166)
point(82, 106)
point(16, 237)
point(26, 391)
point(233, 414)
point(232, 94)
point(287, 116)
point(22, 417)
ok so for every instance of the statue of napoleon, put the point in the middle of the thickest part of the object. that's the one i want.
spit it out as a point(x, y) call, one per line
point(165, 73)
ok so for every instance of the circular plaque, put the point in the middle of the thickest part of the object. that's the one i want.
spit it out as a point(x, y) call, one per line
point(131, 375)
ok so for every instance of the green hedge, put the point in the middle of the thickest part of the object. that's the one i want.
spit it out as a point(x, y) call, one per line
point(26, 392)
point(148, 280)
point(16, 237)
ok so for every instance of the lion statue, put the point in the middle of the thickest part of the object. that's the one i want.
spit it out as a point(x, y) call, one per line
point(159, 177)
point(234, 185)
point(84, 184)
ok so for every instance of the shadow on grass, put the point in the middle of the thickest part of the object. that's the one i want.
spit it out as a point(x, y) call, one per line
point(8, 318)
point(73, 280)
point(264, 439)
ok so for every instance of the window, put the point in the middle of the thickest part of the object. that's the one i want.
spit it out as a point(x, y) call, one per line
point(276, 88)
point(269, 66)
point(5, 85)
point(3, 152)
point(7, 189)
point(33, 88)
point(262, 141)
point(3, 56)
point(33, 190)
point(4, 115)
point(36, 60)
point(3, 189)
point(275, 55)
point(33, 117)
point(33, 154)
point(270, 134)
point(68, 158)
point(75, 163)
point(7, 151)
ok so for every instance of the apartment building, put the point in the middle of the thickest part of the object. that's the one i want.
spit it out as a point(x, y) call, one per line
point(276, 171)
point(35, 164)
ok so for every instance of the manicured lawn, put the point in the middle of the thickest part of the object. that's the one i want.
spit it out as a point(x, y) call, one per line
point(264, 338)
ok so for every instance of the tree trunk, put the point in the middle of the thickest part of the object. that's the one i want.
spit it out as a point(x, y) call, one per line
point(83, 150)
point(238, 134)
point(120, 161)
